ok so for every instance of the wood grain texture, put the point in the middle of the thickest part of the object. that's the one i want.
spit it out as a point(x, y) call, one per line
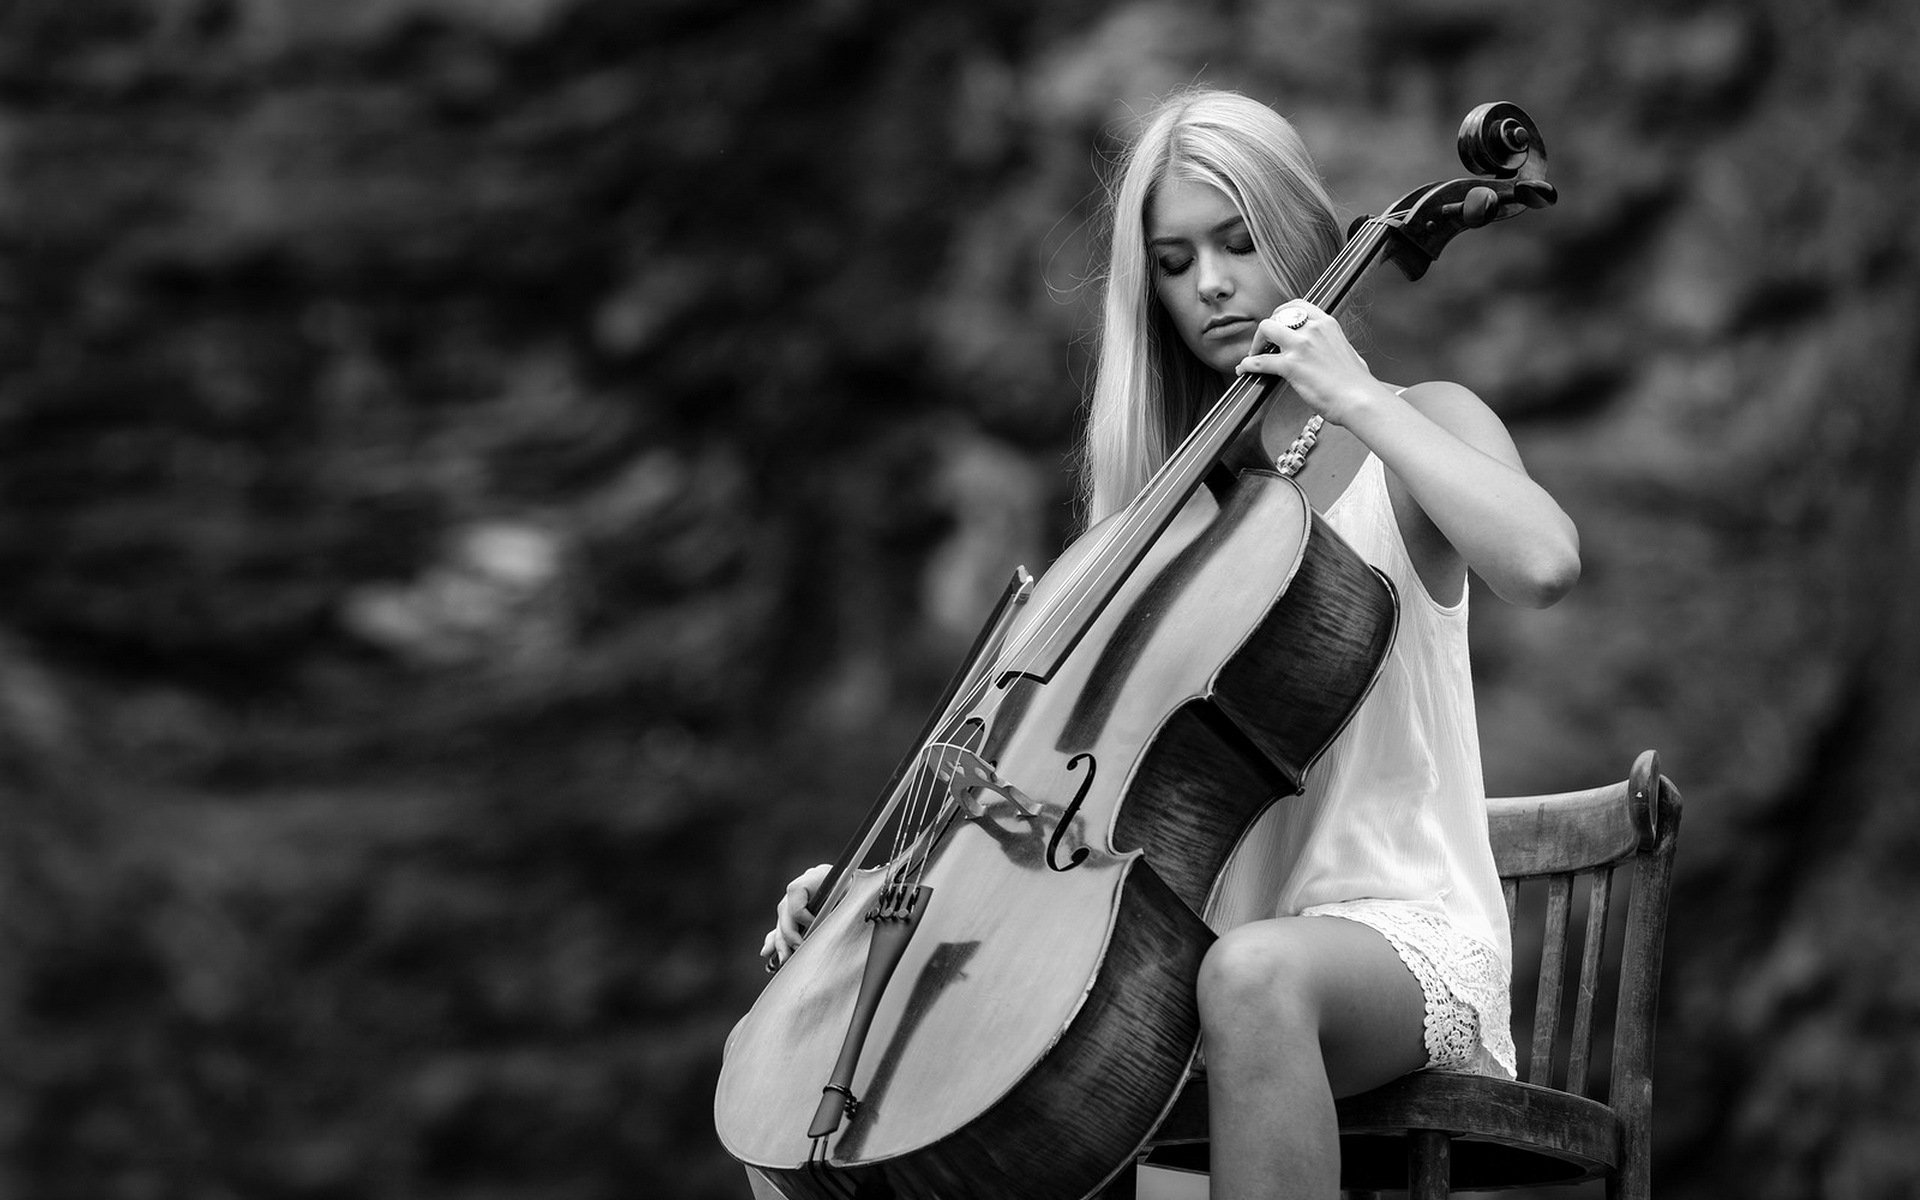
point(1314, 658)
point(1546, 1007)
point(1592, 948)
point(1195, 793)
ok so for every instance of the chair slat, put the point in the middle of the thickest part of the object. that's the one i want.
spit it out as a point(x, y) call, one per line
point(1553, 965)
point(1580, 1053)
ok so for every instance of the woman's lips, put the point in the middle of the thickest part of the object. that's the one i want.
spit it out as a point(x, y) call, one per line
point(1226, 326)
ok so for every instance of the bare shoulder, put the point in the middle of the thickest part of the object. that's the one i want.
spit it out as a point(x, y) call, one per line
point(1464, 414)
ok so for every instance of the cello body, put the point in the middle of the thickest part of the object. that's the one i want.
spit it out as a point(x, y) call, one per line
point(1040, 982)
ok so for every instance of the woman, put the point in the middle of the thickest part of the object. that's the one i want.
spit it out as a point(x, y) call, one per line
point(1363, 931)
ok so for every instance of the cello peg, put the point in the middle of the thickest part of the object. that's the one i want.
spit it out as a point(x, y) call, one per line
point(1535, 193)
point(1475, 209)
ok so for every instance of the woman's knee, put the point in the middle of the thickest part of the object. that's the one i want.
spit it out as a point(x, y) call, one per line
point(1258, 974)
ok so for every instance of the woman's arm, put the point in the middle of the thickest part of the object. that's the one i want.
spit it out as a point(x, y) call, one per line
point(1472, 502)
point(1471, 499)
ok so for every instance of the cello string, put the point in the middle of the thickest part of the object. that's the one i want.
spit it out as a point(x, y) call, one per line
point(1175, 476)
point(916, 865)
point(921, 818)
point(960, 708)
point(911, 818)
point(927, 797)
point(1084, 585)
point(898, 809)
point(1047, 619)
point(1171, 478)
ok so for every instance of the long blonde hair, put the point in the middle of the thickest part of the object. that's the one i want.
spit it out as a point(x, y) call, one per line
point(1148, 388)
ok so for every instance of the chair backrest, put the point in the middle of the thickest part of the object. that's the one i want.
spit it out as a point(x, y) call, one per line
point(1569, 847)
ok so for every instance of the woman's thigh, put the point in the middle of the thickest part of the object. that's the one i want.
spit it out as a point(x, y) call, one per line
point(1340, 977)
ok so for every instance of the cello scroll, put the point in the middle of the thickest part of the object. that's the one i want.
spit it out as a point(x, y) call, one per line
point(1499, 142)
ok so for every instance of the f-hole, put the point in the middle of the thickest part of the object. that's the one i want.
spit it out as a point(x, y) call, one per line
point(1066, 818)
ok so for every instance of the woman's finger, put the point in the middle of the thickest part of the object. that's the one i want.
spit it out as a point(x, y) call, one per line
point(794, 914)
point(813, 877)
point(1261, 364)
point(792, 917)
point(793, 923)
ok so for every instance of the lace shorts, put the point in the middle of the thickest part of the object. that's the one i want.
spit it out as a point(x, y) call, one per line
point(1465, 983)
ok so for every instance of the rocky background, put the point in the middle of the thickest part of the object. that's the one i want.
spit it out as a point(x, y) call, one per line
point(487, 487)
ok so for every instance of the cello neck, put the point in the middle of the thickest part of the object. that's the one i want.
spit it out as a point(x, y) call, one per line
point(1054, 631)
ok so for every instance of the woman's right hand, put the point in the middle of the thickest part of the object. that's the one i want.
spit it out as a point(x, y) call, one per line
point(793, 915)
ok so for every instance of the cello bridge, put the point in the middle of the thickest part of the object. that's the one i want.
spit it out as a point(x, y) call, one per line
point(968, 775)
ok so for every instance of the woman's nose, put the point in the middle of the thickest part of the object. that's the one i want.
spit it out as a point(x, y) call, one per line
point(1212, 277)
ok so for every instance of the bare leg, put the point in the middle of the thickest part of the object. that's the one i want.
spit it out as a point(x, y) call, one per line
point(1296, 1011)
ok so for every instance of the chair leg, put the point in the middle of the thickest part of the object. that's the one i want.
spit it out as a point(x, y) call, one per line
point(1429, 1164)
point(1629, 1183)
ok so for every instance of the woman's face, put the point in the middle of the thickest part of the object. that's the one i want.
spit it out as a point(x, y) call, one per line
point(1206, 272)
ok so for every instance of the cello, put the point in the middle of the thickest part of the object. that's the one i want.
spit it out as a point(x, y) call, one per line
point(998, 995)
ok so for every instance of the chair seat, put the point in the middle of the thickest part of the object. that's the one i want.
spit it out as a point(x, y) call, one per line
point(1506, 1134)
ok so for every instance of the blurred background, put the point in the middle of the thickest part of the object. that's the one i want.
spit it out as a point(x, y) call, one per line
point(488, 488)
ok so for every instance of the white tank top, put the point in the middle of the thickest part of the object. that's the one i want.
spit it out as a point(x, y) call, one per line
point(1396, 808)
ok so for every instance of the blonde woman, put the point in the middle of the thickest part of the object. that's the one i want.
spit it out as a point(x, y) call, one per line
point(1363, 934)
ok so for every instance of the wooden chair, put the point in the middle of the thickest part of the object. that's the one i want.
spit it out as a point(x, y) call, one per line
point(1433, 1131)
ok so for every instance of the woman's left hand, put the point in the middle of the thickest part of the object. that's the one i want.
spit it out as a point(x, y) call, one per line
point(1311, 352)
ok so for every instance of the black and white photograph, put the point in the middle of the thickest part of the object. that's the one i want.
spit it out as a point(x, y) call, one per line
point(965, 600)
